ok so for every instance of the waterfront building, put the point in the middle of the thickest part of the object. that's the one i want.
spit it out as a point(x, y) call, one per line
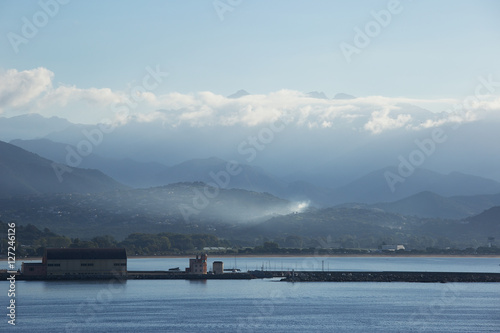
point(198, 265)
point(393, 247)
point(218, 267)
point(85, 261)
point(33, 269)
point(78, 262)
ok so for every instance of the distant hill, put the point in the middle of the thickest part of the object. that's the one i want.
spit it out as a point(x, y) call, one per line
point(250, 178)
point(338, 227)
point(429, 204)
point(333, 221)
point(488, 222)
point(369, 227)
point(22, 172)
point(374, 187)
point(214, 170)
point(30, 126)
point(126, 171)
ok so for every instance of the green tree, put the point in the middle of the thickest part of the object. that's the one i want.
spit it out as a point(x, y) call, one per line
point(104, 241)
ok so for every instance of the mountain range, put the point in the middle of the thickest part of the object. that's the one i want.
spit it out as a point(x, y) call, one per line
point(429, 204)
point(371, 189)
point(326, 154)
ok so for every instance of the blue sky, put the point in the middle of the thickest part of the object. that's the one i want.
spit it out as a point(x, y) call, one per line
point(429, 50)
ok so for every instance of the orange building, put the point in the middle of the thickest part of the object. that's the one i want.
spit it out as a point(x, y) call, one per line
point(198, 265)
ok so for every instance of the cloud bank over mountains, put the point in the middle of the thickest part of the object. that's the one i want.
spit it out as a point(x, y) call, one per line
point(290, 133)
point(35, 91)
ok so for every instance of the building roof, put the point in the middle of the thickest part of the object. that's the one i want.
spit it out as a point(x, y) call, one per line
point(85, 253)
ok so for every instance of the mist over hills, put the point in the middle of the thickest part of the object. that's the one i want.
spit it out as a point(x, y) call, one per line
point(181, 207)
point(334, 222)
point(242, 216)
point(372, 188)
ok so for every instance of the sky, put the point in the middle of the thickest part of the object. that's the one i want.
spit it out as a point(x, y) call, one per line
point(80, 59)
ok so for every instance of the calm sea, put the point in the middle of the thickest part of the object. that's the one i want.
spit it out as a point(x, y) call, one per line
point(263, 305)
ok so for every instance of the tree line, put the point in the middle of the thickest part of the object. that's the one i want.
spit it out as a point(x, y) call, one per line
point(31, 241)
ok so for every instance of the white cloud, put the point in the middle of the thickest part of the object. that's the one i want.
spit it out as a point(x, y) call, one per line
point(64, 95)
point(488, 104)
point(382, 121)
point(33, 91)
point(18, 89)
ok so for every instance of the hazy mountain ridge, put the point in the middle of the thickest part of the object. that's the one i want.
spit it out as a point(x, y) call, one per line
point(30, 126)
point(127, 171)
point(22, 172)
point(344, 150)
point(139, 175)
point(429, 204)
point(372, 188)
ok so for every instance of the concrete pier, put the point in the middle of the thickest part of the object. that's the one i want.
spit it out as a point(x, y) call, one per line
point(441, 277)
point(287, 276)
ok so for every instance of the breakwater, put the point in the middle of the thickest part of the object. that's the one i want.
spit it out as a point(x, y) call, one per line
point(433, 277)
point(287, 276)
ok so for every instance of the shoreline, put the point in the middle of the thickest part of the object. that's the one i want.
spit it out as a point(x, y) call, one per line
point(184, 256)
